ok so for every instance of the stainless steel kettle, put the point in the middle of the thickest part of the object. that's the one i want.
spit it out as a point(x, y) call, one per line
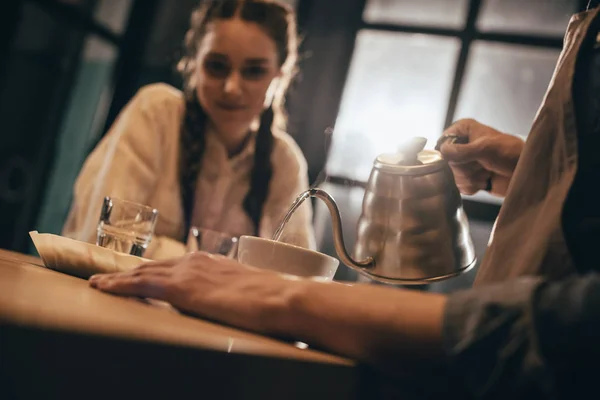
point(413, 229)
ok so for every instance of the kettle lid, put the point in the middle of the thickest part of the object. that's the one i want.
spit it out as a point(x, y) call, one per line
point(411, 159)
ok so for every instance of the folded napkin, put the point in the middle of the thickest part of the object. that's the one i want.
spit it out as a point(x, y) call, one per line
point(80, 259)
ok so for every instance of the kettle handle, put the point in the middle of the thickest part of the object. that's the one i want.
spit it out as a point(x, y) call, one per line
point(453, 139)
point(338, 236)
point(456, 139)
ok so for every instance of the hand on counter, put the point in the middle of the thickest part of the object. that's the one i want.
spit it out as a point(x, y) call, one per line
point(382, 326)
point(206, 285)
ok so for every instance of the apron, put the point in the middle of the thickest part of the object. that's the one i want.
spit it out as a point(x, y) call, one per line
point(531, 235)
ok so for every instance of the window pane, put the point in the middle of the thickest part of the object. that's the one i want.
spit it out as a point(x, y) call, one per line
point(113, 14)
point(504, 86)
point(82, 122)
point(440, 13)
point(548, 17)
point(398, 87)
point(293, 3)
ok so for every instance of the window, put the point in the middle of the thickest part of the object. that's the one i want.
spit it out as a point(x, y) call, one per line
point(548, 17)
point(504, 85)
point(113, 14)
point(85, 114)
point(440, 13)
point(293, 3)
point(419, 65)
point(406, 66)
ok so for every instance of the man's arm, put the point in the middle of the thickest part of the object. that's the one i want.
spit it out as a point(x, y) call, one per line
point(521, 339)
point(526, 339)
point(386, 327)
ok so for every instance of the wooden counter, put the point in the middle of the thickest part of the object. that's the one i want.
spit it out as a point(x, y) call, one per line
point(59, 338)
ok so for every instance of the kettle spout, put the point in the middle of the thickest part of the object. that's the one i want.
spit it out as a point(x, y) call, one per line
point(338, 236)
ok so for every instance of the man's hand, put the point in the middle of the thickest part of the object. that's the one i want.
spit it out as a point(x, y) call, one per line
point(488, 157)
point(210, 286)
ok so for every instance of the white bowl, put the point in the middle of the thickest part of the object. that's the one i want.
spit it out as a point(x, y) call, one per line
point(285, 258)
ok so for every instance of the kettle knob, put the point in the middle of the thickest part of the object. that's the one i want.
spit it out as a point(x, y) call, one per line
point(411, 149)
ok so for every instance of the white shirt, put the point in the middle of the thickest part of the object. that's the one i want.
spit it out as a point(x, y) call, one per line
point(137, 160)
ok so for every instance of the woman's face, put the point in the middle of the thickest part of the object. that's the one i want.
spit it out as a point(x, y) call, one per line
point(236, 64)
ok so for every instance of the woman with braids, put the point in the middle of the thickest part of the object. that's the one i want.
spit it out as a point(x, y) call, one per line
point(215, 155)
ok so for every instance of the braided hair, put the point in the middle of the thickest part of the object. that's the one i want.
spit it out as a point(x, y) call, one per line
point(277, 20)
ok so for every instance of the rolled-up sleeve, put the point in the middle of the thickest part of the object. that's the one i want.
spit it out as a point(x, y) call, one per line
point(526, 339)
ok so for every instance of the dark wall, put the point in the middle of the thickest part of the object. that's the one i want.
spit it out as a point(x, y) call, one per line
point(41, 55)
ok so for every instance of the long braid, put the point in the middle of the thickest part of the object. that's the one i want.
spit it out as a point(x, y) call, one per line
point(191, 150)
point(262, 171)
point(278, 22)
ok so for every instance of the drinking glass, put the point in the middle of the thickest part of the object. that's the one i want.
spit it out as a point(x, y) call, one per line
point(125, 226)
point(202, 239)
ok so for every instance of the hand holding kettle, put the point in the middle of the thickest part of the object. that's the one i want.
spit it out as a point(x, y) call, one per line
point(482, 158)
